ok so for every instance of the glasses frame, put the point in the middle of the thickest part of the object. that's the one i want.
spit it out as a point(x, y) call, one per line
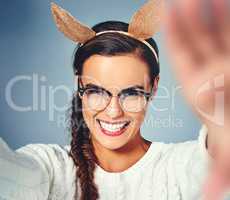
point(82, 89)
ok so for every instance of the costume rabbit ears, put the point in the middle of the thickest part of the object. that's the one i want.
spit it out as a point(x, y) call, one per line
point(143, 25)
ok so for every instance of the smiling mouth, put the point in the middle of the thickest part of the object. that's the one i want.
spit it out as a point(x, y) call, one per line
point(113, 129)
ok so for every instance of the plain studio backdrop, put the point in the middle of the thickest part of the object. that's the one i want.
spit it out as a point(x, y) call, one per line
point(37, 80)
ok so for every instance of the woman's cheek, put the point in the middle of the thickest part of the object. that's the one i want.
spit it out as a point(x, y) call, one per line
point(88, 115)
point(137, 120)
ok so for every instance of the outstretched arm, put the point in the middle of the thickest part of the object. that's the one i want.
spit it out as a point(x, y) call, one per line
point(198, 39)
point(20, 176)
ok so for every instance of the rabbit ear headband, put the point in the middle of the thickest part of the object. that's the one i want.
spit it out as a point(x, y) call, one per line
point(143, 25)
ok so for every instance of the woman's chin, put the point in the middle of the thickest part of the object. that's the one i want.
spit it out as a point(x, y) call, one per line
point(111, 143)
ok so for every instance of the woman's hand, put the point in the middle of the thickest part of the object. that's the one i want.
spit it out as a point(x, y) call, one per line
point(198, 39)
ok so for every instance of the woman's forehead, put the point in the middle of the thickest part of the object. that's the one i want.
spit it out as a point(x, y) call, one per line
point(115, 71)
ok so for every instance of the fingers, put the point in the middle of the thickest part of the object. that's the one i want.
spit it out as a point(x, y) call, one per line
point(221, 10)
point(180, 45)
point(200, 26)
point(198, 18)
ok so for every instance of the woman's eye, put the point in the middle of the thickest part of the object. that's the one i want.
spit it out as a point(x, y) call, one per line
point(94, 91)
point(133, 93)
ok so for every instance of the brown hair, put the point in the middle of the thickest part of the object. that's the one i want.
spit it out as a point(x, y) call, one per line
point(110, 44)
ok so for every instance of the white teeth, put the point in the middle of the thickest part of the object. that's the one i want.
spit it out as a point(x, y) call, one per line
point(112, 127)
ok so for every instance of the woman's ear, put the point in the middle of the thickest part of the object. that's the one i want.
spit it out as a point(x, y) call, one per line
point(75, 82)
point(155, 86)
point(156, 83)
point(76, 85)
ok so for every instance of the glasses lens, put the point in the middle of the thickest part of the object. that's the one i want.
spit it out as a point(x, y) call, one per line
point(133, 101)
point(96, 99)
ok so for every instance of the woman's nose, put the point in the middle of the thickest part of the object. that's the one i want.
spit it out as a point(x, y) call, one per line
point(114, 109)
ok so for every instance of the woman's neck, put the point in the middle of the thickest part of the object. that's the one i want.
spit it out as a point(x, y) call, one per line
point(121, 159)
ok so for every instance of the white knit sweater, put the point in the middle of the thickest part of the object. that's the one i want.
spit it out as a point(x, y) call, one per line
point(165, 172)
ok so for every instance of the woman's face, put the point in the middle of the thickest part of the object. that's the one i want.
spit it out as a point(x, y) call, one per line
point(114, 73)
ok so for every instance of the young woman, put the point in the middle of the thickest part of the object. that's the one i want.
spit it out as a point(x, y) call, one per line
point(117, 75)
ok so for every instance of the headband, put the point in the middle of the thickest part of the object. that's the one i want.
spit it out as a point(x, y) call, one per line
point(143, 25)
point(128, 34)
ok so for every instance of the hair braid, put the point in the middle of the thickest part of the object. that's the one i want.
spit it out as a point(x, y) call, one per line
point(82, 153)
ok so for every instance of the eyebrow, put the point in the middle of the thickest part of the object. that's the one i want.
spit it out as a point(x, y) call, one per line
point(91, 85)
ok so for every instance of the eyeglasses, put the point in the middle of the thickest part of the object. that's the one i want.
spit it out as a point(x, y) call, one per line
point(132, 99)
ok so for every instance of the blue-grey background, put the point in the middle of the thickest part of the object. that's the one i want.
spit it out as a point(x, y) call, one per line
point(31, 46)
